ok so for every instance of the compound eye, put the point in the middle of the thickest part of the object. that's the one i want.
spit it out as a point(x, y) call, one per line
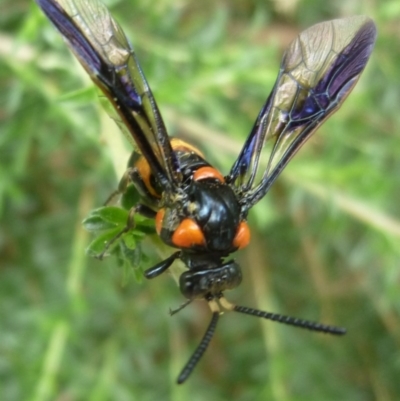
point(207, 172)
point(242, 237)
point(188, 234)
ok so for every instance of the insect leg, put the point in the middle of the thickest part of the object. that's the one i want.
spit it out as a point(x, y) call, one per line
point(122, 185)
point(180, 307)
point(162, 266)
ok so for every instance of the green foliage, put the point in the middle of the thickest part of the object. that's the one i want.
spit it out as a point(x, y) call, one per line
point(325, 242)
point(118, 234)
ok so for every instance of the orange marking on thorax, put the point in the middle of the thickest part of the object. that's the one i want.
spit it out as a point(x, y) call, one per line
point(208, 172)
point(242, 237)
point(159, 220)
point(143, 168)
point(179, 145)
point(188, 234)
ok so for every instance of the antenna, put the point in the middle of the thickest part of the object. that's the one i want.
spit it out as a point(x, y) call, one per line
point(292, 321)
point(198, 353)
point(213, 303)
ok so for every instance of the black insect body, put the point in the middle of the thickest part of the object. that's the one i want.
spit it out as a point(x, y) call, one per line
point(197, 209)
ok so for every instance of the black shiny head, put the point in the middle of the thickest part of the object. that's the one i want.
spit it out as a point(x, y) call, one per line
point(208, 282)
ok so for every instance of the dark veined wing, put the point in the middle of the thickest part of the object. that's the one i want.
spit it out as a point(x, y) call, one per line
point(318, 71)
point(104, 51)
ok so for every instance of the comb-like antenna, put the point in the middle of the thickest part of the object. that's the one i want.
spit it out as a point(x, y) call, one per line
point(292, 321)
point(198, 353)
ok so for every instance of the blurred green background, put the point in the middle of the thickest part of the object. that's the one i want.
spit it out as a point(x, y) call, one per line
point(325, 240)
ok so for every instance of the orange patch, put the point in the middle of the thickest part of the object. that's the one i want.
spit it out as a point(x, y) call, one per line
point(178, 144)
point(159, 220)
point(144, 170)
point(188, 234)
point(208, 172)
point(242, 237)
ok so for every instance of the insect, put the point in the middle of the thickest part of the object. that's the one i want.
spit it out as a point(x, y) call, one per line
point(198, 210)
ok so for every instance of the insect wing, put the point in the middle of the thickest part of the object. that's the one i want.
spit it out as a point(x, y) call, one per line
point(318, 71)
point(102, 48)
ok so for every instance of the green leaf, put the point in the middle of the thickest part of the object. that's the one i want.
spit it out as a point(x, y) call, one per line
point(129, 240)
point(131, 261)
point(96, 223)
point(130, 197)
point(138, 275)
point(126, 272)
point(97, 246)
point(110, 214)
